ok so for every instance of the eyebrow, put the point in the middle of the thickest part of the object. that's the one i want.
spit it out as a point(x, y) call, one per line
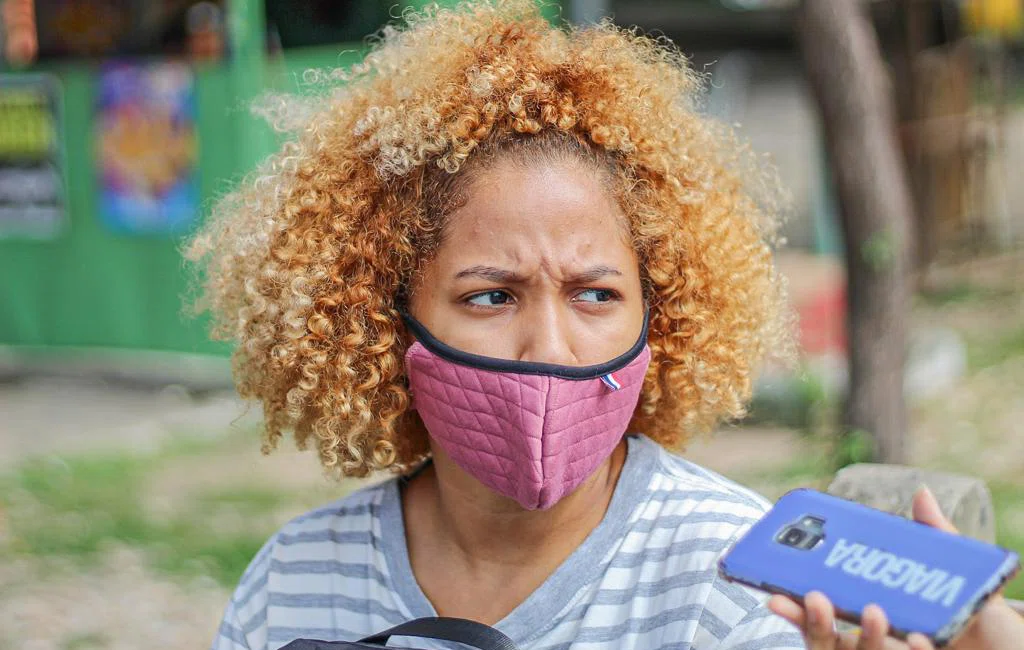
point(498, 275)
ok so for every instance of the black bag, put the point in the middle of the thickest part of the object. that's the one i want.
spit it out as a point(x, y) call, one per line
point(459, 630)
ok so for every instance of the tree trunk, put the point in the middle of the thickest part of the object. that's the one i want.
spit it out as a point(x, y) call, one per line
point(916, 32)
point(846, 73)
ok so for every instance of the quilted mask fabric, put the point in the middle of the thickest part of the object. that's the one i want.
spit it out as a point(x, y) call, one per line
point(530, 431)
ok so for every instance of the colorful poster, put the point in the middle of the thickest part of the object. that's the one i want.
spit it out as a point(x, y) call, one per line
point(146, 139)
point(31, 169)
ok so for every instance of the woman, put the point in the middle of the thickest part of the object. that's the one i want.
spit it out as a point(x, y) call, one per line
point(497, 249)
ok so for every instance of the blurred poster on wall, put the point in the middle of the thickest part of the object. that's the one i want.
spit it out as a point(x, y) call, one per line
point(31, 170)
point(146, 141)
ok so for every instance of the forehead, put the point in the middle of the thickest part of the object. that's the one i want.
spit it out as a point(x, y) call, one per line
point(548, 213)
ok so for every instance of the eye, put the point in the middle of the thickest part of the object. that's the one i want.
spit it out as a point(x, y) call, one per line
point(490, 299)
point(595, 295)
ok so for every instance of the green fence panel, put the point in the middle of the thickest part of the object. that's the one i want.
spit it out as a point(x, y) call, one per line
point(91, 287)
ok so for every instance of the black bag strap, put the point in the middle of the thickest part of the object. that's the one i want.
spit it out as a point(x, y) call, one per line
point(459, 630)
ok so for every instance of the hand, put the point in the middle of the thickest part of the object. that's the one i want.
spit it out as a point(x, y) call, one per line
point(816, 619)
point(995, 627)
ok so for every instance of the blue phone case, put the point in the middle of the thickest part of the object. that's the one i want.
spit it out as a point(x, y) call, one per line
point(927, 581)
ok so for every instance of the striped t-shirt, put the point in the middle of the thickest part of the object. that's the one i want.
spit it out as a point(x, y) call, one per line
point(645, 578)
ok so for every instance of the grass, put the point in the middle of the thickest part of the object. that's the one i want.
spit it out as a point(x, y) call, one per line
point(64, 507)
point(984, 352)
point(252, 501)
point(76, 507)
point(963, 293)
point(85, 641)
point(987, 348)
point(186, 550)
point(1008, 500)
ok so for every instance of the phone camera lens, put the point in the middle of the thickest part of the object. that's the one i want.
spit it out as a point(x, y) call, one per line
point(793, 537)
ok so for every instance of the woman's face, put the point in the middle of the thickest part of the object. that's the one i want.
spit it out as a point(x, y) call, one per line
point(535, 266)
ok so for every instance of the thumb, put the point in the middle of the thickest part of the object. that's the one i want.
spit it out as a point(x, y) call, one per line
point(927, 511)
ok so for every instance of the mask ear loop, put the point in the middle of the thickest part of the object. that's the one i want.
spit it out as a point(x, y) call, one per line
point(400, 303)
point(610, 380)
point(604, 371)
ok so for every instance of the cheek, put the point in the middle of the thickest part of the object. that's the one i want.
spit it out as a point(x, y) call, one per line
point(610, 337)
point(635, 303)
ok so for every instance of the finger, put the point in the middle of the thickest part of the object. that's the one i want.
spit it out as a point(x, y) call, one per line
point(849, 640)
point(820, 627)
point(874, 628)
point(919, 642)
point(927, 511)
point(788, 609)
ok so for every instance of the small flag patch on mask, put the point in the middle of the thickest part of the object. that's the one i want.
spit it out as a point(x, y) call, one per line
point(611, 382)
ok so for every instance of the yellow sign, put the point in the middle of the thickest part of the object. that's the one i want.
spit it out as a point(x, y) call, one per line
point(27, 129)
point(31, 169)
point(1003, 18)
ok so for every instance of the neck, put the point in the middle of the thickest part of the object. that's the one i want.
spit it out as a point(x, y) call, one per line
point(483, 530)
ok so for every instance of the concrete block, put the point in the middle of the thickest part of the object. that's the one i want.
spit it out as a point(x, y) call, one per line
point(965, 500)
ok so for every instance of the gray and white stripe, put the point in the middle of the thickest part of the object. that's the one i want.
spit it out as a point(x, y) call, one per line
point(645, 579)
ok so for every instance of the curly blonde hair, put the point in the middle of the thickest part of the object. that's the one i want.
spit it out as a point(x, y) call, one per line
point(303, 263)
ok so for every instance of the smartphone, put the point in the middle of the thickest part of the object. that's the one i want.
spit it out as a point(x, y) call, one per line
point(926, 580)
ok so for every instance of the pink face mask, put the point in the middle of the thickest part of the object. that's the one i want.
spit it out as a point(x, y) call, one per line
point(530, 431)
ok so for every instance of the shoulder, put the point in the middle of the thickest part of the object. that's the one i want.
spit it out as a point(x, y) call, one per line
point(346, 520)
point(679, 486)
point(337, 530)
point(694, 515)
point(690, 514)
point(332, 539)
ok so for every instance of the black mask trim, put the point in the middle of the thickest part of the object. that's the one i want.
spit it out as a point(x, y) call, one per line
point(481, 362)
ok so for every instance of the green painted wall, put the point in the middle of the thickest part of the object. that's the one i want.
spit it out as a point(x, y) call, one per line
point(91, 287)
point(94, 288)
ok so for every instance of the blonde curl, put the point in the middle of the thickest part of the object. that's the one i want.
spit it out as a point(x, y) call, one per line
point(302, 264)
